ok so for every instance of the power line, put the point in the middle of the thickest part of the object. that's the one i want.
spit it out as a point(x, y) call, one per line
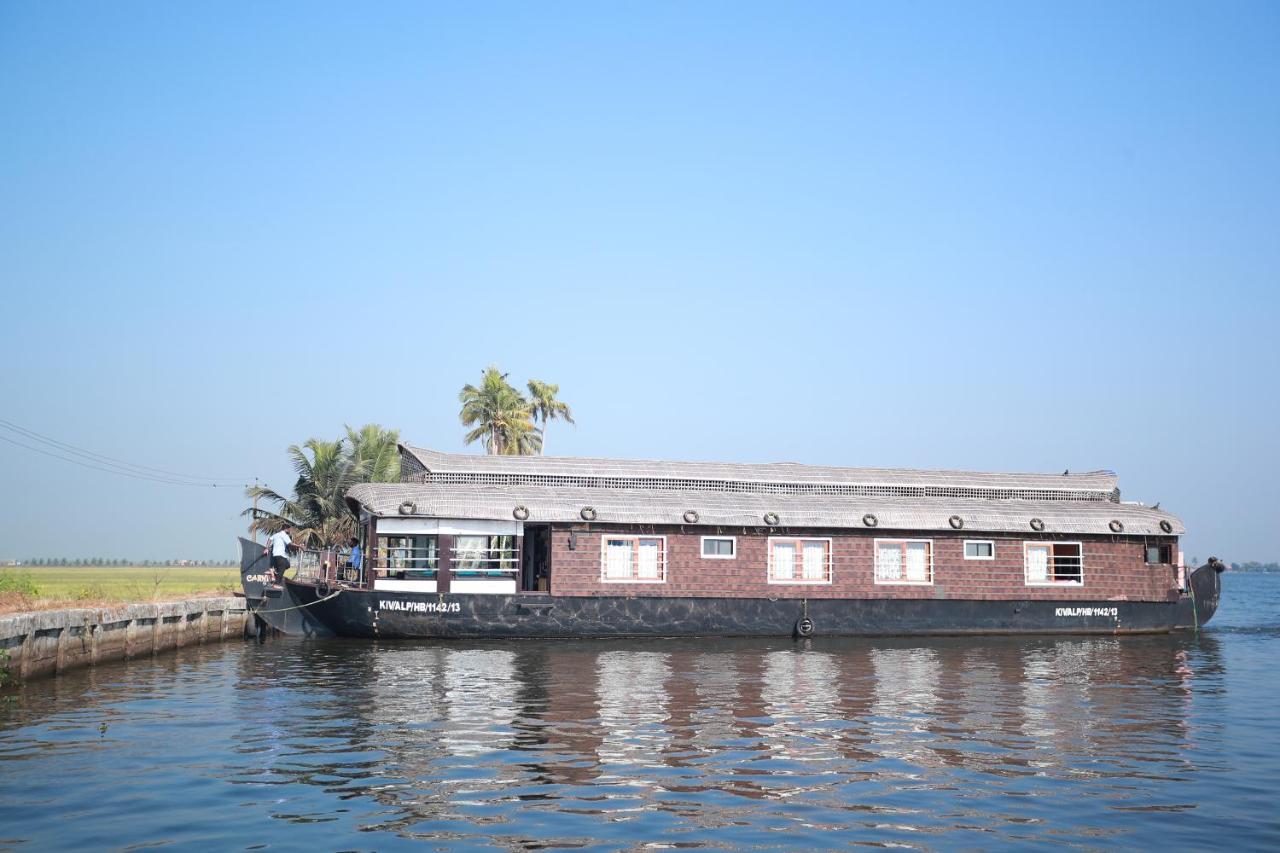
point(119, 471)
point(112, 464)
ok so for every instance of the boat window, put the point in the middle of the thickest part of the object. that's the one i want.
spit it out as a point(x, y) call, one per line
point(904, 561)
point(1050, 563)
point(979, 549)
point(405, 556)
point(719, 547)
point(633, 559)
point(484, 555)
point(1159, 553)
point(799, 560)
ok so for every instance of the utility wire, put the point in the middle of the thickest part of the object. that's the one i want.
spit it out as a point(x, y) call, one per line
point(124, 473)
point(113, 464)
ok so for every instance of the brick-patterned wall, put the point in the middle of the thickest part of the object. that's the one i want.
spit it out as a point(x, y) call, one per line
point(1114, 568)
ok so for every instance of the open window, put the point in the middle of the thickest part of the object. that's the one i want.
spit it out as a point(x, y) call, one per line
point(1162, 554)
point(1054, 564)
point(484, 556)
point(405, 557)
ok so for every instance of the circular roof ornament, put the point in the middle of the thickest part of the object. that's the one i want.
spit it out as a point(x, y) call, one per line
point(956, 522)
point(771, 519)
point(1166, 525)
point(520, 513)
point(588, 513)
point(691, 516)
point(1116, 525)
point(1037, 524)
point(870, 520)
point(407, 508)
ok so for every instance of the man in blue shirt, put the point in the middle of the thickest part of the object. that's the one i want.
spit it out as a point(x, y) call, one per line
point(355, 555)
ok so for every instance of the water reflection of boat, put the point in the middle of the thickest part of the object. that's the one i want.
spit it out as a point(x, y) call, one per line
point(479, 546)
point(750, 720)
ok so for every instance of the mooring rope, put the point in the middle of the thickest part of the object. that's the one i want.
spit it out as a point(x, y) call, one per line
point(328, 597)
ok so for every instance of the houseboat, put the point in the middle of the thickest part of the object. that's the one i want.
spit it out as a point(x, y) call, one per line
point(532, 546)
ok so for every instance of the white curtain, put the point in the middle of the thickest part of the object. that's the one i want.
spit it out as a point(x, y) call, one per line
point(889, 561)
point(617, 562)
point(470, 552)
point(650, 556)
point(815, 561)
point(1037, 563)
point(918, 561)
point(784, 561)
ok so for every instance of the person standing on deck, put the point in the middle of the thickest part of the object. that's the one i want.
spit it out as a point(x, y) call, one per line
point(355, 556)
point(278, 545)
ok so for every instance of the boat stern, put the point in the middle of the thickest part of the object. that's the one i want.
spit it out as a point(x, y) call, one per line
point(1197, 605)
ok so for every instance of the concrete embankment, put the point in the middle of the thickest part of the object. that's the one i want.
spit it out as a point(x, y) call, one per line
point(52, 641)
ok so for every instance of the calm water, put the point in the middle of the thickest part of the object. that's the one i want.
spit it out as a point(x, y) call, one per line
point(986, 742)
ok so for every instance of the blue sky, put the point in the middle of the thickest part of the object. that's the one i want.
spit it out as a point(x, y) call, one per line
point(998, 236)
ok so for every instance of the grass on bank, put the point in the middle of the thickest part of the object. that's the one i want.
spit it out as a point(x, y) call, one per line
point(40, 588)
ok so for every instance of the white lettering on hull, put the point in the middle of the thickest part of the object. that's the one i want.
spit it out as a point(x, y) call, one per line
point(421, 606)
point(1112, 612)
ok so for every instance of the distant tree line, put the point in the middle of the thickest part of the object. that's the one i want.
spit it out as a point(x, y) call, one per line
point(108, 562)
point(1255, 566)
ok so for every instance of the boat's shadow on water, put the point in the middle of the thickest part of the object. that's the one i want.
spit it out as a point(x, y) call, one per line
point(446, 737)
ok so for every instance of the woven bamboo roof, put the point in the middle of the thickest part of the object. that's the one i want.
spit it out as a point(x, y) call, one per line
point(620, 506)
point(624, 491)
point(421, 465)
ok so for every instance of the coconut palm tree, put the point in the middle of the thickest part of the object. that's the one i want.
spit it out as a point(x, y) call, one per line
point(375, 453)
point(317, 509)
point(546, 407)
point(498, 415)
point(326, 470)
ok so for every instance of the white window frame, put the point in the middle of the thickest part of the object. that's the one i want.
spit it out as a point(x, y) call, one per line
point(875, 563)
point(1041, 543)
point(702, 548)
point(635, 550)
point(829, 568)
point(990, 542)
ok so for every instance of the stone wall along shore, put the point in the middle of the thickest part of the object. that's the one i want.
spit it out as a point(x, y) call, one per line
point(53, 641)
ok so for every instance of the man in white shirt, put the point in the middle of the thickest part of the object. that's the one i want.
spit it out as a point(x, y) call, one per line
point(278, 544)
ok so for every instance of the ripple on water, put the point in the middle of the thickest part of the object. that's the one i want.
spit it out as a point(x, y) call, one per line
point(717, 744)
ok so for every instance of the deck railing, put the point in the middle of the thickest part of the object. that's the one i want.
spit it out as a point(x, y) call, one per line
point(485, 561)
point(334, 566)
point(424, 563)
point(406, 562)
point(329, 565)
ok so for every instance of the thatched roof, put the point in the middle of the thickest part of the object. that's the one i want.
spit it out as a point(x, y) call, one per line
point(624, 491)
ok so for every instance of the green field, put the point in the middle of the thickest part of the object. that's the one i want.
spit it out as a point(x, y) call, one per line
point(124, 583)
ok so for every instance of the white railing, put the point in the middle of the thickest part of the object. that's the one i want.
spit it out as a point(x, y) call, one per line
point(1066, 568)
point(406, 559)
point(488, 561)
